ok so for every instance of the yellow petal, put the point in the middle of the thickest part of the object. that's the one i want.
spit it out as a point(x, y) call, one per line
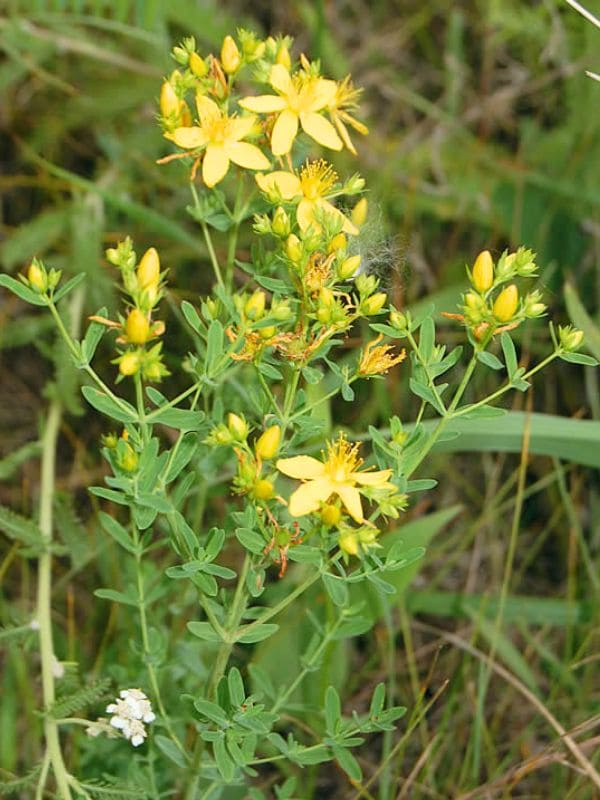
point(321, 130)
point(344, 136)
point(351, 499)
point(304, 467)
point(286, 183)
point(207, 108)
point(378, 478)
point(281, 80)
point(264, 103)
point(247, 156)
point(284, 133)
point(323, 92)
point(214, 165)
point(309, 496)
point(305, 214)
point(241, 126)
point(188, 137)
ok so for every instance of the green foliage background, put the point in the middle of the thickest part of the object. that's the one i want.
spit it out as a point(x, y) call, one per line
point(484, 133)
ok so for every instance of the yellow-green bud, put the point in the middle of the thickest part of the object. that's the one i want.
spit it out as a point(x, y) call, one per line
point(238, 427)
point(267, 444)
point(348, 542)
point(359, 212)
point(283, 57)
point(127, 458)
point(398, 320)
point(129, 363)
point(281, 222)
point(148, 271)
point(483, 272)
point(506, 304)
point(339, 242)
point(268, 332)
point(37, 277)
point(293, 248)
point(137, 327)
point(570, 338)
point(348, 267)
point(280, 310)
point(255, 305)
point(169, 102)
point(263, 489)
point(197, 65)
point(230, 56)
point(330, 515)
point(374, 304)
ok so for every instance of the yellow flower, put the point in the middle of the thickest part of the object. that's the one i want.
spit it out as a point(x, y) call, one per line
point(337, 475)
point(221, 135)
point(377, 359)
point(346, 97)
point(312, 185)
point(505, 306)
point(299, 100)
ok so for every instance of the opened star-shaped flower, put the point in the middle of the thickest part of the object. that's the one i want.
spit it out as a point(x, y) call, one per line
point(346, 98)
point(299, 100)
point(220, 136)
point(337, 475)
point(312, 185)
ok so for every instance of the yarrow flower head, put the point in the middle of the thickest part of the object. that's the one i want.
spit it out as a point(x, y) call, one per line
point(338, 474)
point(221, 137)
point(299, 100)
point(312, 186)
point(130, 712)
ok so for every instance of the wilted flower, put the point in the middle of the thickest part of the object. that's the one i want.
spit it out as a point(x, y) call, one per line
point(377, 359)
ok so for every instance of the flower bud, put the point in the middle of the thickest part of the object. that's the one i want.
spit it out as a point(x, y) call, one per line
point(127, 458)
point(148, 271)
point(230, 56)
point(169, 102)
point(472, 301)
point(330, 515)
point(326, 297)
point(348, 542)
point(570, 338)
point(506, 304)
point(359, 212)
point(238, 427)
point(263, 489)
point(267, 444)
point(129, 363)
point(255, 305)
point(268, 332)
point(398, 320)
point(348, 267)
point(339, 242)
point(197, 65)
point(137, 327)
point(281, 222)
point(366, 284)
point(37, 276)
point(283, 57)
point(373, 305)
point(483, 272)
point(280, 310)
point(293, 248)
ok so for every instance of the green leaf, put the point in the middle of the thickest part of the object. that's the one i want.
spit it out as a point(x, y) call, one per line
point(333, 710)
point(211, 711)
point(191, 316)
point(336, 589)
point(204, 630)
point(579, 358)
point(180, 418)
point(257, 633)
point(510, 354)
point(92, 337)
point(425, 393)
point(214, 345)
point(235, 684)
point(427, 339)
point(170, 749)
point(117, 531)
point(122, 412)
point(347, 392)
point(251, 540)
point(69, 286)
point(377, 700)
point(348, 763)
point(117, 597)
point(224, 763)
point(22, 291)
point(310, 755)
point(489, 359)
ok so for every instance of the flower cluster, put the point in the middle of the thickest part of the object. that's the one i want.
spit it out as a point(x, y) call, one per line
point(230, 128)
point(129, 713)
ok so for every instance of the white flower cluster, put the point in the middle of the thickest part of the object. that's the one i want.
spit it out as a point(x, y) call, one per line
point(130, 713)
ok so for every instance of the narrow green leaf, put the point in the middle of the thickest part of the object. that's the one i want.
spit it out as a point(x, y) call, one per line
point(22, 291)
point(204, 630)
point(117, 531)
point(510, 354)
point(257, 634)
point(122, 412)
point(191, 316)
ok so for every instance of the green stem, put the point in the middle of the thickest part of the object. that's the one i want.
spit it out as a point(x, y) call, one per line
point(267, 390)
point(175, 401)
point(422, 362)
point(44, 600)
point(139, 396)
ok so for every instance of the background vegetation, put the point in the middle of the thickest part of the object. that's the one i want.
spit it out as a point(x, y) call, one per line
point(484, 133)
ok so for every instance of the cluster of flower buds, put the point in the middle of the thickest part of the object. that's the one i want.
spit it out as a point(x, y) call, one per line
point(493, 303)
point(143, 283)
point(251, 457)
point(129, 713)
point(122, 456)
